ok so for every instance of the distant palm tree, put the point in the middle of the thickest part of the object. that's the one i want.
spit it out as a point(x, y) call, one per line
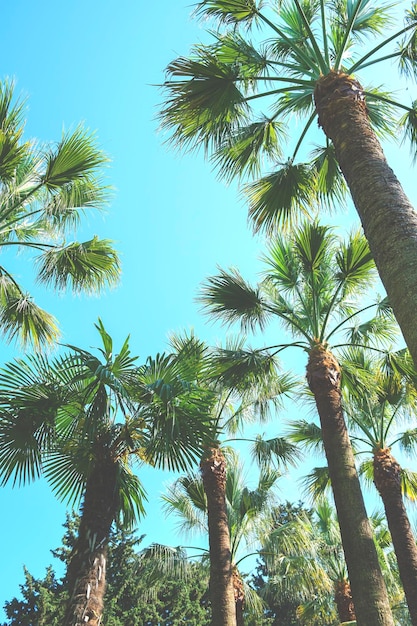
point(270, 63)
point(377, 420)
point(311, 284)
point(247, 517)
point(245, 385)
point(81, 421)
point(379, 399)
point(44, 191)
point(305, 562)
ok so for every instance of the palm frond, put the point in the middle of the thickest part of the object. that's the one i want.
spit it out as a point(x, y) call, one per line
point(307, 434)
point(21, 318)
point(76, 156)
point(229, 11)
point(204, 103)
point(279, 200)
point(409, 484)
point(355, 263)
point(229, 297)
point(131, 497)
point(331, 185)
point(317, 483)
point(87, 266)
point(278, 449)
point(244, 151)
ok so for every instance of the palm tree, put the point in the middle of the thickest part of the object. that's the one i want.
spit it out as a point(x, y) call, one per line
point(303, 62)
point(245, 385)
point(247, 517)
point(304, 561)
point(376, 419)
point(81, 421)
point(44, 190)
point(311, 282)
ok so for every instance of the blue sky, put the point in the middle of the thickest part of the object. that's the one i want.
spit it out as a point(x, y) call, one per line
point(172, 220)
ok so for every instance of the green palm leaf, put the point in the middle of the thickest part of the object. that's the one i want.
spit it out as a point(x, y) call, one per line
point(279, 200)
point(243, 151)
point(229, 11)
point(87, 266)
point(228, 297)
point(21, 318)
point(75, 156)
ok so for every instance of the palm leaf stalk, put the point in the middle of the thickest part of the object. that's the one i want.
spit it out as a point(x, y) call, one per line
point(268, 63)
point(310, 285)
point(44, 191)
point(82, 421)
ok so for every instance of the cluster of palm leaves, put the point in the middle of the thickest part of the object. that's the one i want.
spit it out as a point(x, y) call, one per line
point(44, 191)
point(87, 423)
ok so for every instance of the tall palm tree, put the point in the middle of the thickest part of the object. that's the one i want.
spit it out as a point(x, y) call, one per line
point(82, 420)
point(301, 59)
point(310, 285)
point(44, 190)
point(247, 517)
point(245, 385)
point(377, 419)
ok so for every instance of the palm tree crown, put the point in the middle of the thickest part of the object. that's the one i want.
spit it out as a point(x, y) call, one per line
point(313, 283)
point(44, 190)
point(215, 96)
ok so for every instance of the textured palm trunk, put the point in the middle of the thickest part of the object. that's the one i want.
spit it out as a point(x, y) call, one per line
point(213, 471)
point(388, 218)
point(86, 574)
point(344, 601)
point(368, 587)
point(239, 597)
point(387, 478)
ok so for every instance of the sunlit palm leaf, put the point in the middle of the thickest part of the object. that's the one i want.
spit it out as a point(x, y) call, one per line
point(279, 449)
point(131, 496)
point(87, 266)
point(308, 434)
point(21, 318)
point(244, 150)
point(312, 243)
point(409, 484)
point(75, 156)
point(228, 297)
point(229, 11)
point(187, 500)
point(205, 106)
point(355, 263)
point(279, 200)
point(317, 483)
point(331, 185)
point(66, 204)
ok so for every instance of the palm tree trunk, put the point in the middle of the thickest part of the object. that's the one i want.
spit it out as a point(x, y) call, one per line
point(387, 478)
point(239, 597)
point(213, 471)
point(344, 601)
point(368, 587)
point(86, 573)
point(388, 218)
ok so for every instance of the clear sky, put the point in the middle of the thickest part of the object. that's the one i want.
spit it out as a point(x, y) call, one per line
point(172, 220)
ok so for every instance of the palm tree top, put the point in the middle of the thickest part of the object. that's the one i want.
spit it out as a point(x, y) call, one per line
point(44, 191)
point(314, 283)
point(269, 62)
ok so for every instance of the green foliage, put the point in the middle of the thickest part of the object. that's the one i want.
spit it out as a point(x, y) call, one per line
point(237, 96)
point(44, 191)
point(130, 599)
